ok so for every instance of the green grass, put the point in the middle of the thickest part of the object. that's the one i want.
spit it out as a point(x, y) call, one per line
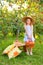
point(22, 59)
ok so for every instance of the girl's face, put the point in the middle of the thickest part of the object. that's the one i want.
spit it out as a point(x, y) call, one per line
point(28, 21)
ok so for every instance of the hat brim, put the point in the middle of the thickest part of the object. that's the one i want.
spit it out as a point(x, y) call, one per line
point(25, 18)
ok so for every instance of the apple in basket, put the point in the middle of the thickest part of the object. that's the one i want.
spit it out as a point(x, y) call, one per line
point(30, 44)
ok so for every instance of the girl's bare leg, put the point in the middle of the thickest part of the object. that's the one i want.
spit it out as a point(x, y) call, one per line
point(31, 51)
point(27, 50)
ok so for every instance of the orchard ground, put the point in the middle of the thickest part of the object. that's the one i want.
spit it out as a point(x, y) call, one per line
point(22, 59)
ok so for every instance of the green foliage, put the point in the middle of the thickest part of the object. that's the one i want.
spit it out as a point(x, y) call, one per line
point(11, 21)
point(38, 28)
point(41, 1)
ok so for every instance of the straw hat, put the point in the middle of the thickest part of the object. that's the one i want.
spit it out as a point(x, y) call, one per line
point(27, 17)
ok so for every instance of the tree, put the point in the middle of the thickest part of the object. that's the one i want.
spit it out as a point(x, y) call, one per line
point(13, 11)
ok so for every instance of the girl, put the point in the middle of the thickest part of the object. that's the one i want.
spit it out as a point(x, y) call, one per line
point(28, 39)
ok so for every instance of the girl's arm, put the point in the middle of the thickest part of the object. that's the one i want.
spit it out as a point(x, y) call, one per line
point(32, 29)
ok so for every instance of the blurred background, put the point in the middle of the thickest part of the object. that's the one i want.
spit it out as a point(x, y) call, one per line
point(11, 28)
point(12, 12)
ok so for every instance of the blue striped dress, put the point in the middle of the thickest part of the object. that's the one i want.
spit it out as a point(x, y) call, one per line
point(29, 29)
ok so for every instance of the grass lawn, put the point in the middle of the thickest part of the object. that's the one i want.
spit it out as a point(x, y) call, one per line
point(22, 59)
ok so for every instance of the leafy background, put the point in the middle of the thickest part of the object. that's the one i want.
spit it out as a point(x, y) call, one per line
point(11, 16)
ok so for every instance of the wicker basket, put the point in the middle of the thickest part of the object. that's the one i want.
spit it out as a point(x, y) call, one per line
point(30, 44)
